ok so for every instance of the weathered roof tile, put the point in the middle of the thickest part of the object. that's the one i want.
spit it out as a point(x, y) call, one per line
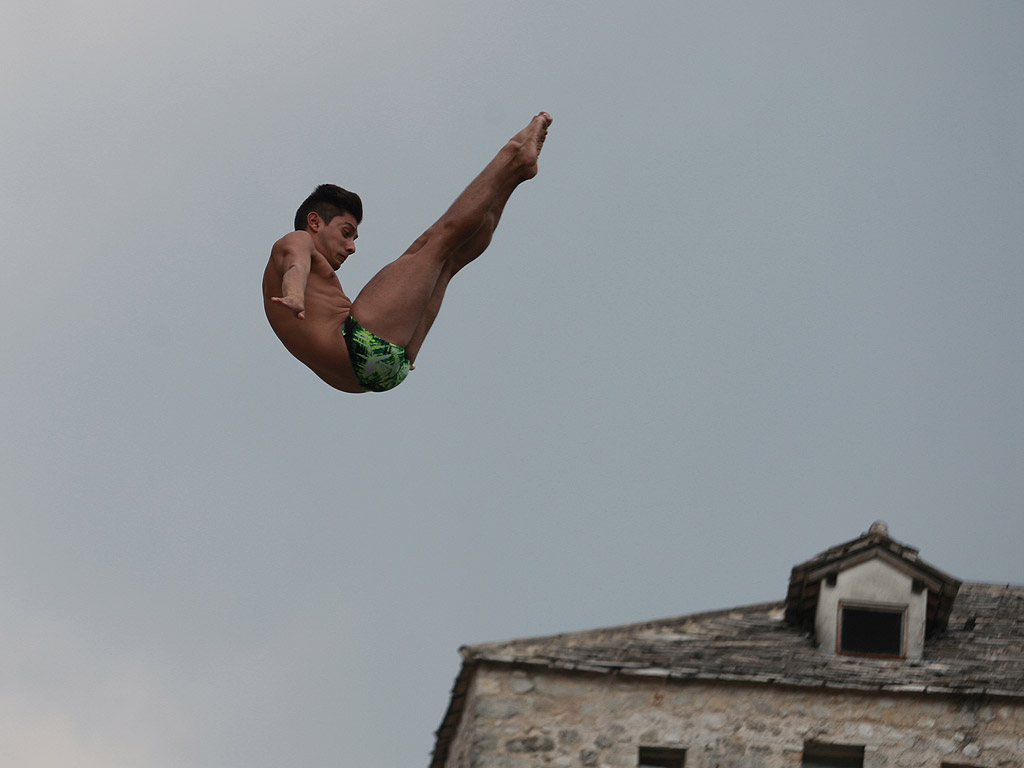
point(754, 644)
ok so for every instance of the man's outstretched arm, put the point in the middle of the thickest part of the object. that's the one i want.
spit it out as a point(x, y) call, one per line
point(292, 255)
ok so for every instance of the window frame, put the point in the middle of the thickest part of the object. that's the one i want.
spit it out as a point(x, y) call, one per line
point(896, 609)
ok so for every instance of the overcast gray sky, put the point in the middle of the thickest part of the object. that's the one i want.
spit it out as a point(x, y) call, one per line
point(766, 289)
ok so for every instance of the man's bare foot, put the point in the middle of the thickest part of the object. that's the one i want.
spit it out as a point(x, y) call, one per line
point(528, 143)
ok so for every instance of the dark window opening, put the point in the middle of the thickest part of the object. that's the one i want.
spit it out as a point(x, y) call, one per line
point(872, 631)
point(661, 757)
point(817, 755)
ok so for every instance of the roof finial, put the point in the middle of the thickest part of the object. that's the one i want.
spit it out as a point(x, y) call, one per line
point(879, 528)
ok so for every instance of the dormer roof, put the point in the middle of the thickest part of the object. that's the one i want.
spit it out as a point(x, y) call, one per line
point(805, 579)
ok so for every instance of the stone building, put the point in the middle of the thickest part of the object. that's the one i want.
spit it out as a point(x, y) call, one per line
point(875, 659)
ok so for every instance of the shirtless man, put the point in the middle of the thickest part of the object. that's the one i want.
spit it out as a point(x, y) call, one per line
point(371, 343)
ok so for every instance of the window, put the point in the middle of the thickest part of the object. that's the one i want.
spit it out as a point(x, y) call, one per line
point(818, 755)
point(661, 757)
point(871, 630)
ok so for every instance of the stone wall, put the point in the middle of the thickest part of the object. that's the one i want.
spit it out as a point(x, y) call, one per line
point(515, 719)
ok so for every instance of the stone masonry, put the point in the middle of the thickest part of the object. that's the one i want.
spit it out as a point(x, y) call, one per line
point(515, 718)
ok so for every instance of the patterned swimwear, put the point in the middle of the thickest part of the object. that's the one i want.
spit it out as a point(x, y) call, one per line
point(379, 364)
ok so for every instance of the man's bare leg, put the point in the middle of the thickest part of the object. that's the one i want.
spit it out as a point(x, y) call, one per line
point(464, 254)
point(400, 303)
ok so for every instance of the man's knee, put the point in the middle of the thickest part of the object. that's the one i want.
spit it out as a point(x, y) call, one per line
point(437, 243)
point(449, 232)
point(418, 244)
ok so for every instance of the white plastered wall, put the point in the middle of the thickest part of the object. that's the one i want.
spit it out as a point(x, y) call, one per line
point(874, 582)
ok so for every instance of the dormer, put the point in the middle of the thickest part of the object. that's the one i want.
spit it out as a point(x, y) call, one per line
point(870, 597)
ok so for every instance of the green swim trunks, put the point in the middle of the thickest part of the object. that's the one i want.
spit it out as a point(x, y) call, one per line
point(379, 365)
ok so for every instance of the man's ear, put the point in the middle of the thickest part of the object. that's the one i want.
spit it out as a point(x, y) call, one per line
point(313, 222)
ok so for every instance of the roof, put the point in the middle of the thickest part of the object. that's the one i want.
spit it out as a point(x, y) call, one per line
point(805, 579)
point(980, 653)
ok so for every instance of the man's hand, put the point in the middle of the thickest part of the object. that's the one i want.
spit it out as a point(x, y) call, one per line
point(293, 303)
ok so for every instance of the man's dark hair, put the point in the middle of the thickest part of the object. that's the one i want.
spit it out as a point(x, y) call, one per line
point(328, 201)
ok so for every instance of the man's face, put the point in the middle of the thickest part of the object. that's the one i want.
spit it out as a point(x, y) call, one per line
point(336, 240)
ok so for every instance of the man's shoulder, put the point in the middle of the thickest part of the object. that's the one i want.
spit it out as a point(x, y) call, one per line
point(300, 238)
